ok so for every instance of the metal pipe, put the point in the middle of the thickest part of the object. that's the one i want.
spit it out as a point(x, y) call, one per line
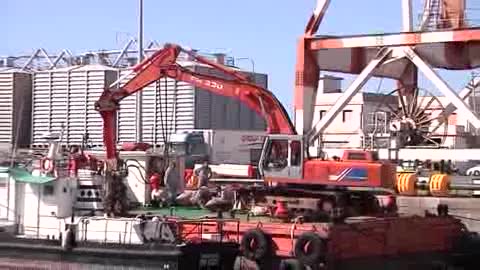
point(452, 186)
point(465, 187)
point(251, 61)
point(18, 124)
point(407, 16)
point(140, 58)
point(140, 31)
point(39, 189)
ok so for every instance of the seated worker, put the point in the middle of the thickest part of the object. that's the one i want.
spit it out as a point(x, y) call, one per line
point(199, 183)
point(277, 158)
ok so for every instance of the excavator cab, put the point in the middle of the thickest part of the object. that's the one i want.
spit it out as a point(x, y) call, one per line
point(282, 156)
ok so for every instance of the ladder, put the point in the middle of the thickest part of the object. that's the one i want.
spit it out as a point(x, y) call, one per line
point(473, 87)
point(431, 16)
point(89, 193)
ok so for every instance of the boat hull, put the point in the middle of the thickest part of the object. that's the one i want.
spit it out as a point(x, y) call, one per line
point(38, 254)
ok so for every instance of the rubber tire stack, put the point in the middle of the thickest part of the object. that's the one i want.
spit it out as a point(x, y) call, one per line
point(263, 248)
point(316, 249)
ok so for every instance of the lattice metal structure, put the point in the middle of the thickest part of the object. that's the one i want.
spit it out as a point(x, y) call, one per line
point(40, 59)
point(452, 45)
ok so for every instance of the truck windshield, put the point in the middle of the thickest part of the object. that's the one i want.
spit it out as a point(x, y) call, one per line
point(178, 148)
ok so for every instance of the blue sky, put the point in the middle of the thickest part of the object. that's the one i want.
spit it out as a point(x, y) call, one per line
point(263, 30)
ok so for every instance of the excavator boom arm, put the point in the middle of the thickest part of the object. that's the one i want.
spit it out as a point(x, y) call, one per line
point(162, 64)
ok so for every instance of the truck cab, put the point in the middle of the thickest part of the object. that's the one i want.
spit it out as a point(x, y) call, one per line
point(192, 145)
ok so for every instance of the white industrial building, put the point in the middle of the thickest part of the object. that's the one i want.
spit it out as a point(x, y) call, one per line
point(367, 115)
point(44, 92)
point(15, 106)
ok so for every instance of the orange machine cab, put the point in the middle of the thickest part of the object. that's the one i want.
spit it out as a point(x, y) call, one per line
point(355, 169)
point(284, 162)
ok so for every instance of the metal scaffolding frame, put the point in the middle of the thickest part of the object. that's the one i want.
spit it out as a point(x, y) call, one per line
point(126, 57)
point(399, 56)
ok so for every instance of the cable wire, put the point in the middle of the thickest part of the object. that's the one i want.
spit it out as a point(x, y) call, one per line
point(463, 217)
point(142, 176)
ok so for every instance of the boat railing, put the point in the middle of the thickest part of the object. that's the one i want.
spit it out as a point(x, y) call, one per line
point(166, 228)
point(134, 231)
point(9, 212)
point(113, 230)
point(208, 229)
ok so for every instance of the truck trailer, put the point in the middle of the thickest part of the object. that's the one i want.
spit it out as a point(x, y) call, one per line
point(230, 153)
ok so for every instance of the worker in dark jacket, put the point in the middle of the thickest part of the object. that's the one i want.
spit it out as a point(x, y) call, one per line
point(173, 182)
point(204, 174)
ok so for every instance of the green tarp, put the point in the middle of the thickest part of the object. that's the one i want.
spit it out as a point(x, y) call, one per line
point(22, 175)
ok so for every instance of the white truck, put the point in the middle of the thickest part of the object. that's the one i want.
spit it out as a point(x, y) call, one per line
point(230, 153)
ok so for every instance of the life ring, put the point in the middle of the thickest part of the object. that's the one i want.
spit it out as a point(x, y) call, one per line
point(291, 264)
point(256, 245)
point(47, 165)
point(310, 248)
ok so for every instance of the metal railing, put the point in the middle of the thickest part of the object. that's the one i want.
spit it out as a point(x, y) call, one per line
point(8, 210)
point(124, 231)
point(215, 228)
point(126, 57)
point(471, 18)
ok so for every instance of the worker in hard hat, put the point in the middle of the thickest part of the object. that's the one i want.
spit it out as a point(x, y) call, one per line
point(154, 181)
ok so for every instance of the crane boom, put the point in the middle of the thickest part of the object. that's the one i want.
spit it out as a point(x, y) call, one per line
point(162, 64)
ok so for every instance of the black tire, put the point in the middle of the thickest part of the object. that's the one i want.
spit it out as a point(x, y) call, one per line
point(316, 248)
point(242, 263)
point(291, 264)
point(262, 247)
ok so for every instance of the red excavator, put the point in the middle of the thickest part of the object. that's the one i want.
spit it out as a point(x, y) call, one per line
point(291, 176)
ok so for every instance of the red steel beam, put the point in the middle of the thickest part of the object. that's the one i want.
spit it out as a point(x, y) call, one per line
point(394, 39)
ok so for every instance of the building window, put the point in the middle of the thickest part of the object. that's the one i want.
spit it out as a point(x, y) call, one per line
point(347, 115)
point(296, 150)
point(48, 190)
point(322, 114)
point(357, 156)
point(3, 181)
point(277, 154)
point(452, 119)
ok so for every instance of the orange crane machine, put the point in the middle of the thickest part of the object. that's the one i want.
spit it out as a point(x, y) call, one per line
point(284, 164)
point(338, 188)
point(291, 175)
